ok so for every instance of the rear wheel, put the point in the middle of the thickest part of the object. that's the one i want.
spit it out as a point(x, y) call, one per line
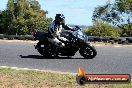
point(46, 50)
point(41, 48)
point(88, 51)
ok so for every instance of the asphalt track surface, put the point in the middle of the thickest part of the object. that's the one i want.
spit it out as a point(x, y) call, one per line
point(110, 59)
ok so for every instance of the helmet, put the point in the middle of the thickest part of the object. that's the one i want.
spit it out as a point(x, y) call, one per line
point(60, 19)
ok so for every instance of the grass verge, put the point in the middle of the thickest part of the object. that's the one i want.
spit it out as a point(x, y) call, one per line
point(12, 78)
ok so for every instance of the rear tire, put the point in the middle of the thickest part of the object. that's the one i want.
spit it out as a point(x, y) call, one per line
point(88, 52)
point(41, 48)
point(46, 51)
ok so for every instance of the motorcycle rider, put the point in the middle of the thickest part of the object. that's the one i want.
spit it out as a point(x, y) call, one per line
point(55, 29)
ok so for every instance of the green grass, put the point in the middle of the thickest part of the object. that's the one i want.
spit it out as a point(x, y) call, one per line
point(11, 78)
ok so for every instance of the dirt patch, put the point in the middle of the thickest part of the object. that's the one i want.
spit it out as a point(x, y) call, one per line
point(28, 41)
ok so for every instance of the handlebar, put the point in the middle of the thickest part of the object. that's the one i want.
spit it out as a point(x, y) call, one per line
point(77, 27)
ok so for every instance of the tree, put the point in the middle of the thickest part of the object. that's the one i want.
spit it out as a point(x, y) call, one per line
point(102, 29)
point(0, 21)
point(25, 16)
point(4, 22)
point(118, 14)
point(34, 4)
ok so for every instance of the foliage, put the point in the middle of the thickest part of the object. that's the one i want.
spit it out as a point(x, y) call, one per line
point(3, 21)
point(118, 14)
point(102, 29)
point(24, 17)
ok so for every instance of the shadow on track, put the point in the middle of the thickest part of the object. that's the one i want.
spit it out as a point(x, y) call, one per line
point(42, 57)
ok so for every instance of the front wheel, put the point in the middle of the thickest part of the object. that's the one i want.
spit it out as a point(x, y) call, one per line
point(88, 51)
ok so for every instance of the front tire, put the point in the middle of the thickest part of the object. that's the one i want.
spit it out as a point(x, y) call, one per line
point(88, 51)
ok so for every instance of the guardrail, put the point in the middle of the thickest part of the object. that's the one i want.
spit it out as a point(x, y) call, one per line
point(18, 37)
point(121, 40)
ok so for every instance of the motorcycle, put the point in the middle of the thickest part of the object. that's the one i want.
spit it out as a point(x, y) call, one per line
point(77, 41)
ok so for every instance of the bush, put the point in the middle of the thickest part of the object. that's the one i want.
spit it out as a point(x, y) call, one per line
point(102, 29)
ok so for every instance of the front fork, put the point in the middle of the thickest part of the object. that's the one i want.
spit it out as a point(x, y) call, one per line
point(85, 44)
point(90, 44)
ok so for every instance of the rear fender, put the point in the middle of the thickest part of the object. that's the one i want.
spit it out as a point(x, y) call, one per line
point(41, 36)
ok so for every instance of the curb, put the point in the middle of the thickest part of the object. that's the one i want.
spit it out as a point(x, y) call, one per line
point(26, 69)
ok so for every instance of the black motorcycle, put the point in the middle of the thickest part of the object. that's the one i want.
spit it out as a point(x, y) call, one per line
point(77, 41)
